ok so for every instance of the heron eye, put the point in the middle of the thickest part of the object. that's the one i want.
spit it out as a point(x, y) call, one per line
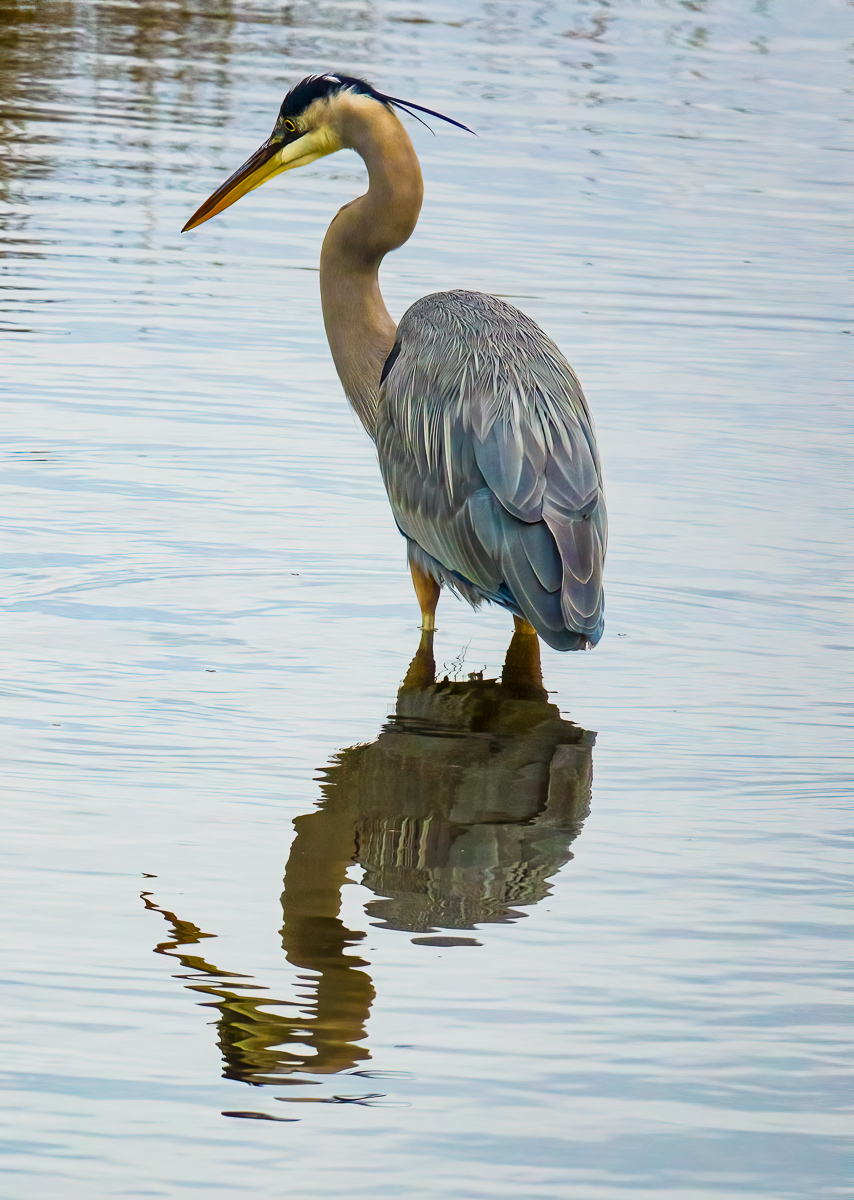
point(290, 126)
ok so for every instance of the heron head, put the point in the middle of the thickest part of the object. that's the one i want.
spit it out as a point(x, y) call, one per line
point(309, 126)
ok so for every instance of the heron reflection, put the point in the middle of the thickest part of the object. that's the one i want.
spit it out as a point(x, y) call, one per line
point(458, 813)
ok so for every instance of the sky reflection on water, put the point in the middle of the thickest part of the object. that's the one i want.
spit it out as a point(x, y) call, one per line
point(206, 601)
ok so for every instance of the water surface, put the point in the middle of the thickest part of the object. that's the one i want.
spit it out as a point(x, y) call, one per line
point(465, 940)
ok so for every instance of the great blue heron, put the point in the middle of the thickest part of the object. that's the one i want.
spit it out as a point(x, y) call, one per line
point(483, 435)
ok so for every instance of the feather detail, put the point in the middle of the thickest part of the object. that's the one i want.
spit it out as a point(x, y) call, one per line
point(489, 458)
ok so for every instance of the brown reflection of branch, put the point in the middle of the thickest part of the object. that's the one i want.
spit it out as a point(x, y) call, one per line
point(26, 48)
point(459, 813)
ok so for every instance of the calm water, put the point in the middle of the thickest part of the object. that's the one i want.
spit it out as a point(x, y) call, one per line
point(534, 987)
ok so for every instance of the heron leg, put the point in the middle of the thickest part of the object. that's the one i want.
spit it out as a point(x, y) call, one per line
point(522, 674)
point(427, 590)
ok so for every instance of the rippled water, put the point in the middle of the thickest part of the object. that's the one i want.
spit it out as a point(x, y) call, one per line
point(209, 617)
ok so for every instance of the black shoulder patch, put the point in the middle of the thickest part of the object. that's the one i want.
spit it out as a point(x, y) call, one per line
point(389, 362)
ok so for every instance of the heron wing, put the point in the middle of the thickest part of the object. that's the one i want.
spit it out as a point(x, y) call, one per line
point(489, 458)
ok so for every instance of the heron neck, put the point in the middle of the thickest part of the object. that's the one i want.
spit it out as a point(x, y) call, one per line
point(358, 325)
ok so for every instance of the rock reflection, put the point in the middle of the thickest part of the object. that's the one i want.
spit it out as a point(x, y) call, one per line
point(458, 813)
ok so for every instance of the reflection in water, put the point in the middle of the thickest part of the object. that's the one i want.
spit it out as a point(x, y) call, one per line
point(179, 477)
point(461, 810)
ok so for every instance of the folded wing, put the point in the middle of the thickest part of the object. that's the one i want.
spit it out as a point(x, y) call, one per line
point(489, 459)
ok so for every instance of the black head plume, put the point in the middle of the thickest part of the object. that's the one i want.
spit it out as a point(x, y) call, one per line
point(316, 87)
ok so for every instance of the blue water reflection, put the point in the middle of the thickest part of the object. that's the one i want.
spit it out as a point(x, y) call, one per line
point(206, 600)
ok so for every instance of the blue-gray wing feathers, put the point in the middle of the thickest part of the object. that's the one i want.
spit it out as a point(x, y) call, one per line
point(489, 458)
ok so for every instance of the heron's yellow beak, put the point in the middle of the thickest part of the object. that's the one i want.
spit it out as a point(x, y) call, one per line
point(276, 155)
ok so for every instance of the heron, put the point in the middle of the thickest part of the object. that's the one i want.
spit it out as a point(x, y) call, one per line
point(484, 438)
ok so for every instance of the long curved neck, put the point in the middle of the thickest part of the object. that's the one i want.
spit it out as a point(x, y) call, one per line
point(358, 326)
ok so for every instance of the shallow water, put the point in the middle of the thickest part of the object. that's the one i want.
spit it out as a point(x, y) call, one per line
point(535, 987)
